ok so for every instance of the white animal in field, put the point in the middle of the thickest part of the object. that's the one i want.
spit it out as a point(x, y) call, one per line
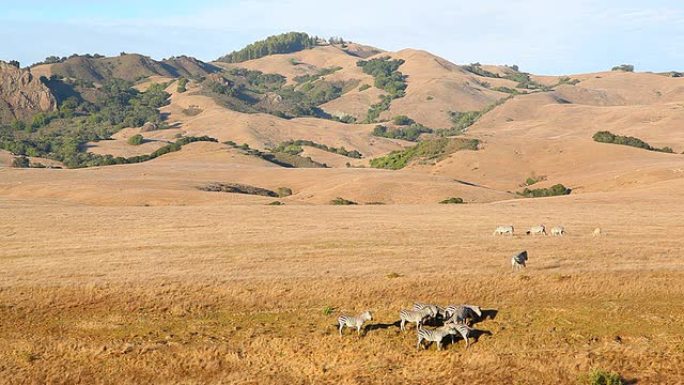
point(597, 232)
point(534, 230)
point(558, 231)
point(502, 230)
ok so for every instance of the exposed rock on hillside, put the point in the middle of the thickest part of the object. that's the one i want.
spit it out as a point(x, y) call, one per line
point(21, 94)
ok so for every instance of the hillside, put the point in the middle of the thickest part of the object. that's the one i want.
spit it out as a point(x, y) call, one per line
point(341, 97)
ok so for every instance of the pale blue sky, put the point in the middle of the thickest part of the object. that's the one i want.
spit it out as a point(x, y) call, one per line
point(541, 36)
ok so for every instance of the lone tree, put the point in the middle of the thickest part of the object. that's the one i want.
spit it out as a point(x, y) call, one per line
point(136, 140)
point(624, 68)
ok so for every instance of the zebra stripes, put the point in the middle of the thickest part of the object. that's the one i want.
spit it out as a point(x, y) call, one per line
point(519, 260)
point(461, 313)
point(438, 334)
point(415, 316)
point(436, 309)
point(354, 322)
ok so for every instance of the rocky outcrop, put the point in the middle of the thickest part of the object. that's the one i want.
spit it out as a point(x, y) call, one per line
point(22, 95)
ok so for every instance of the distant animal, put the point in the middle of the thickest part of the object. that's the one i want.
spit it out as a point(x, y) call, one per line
point(534, 230)
point(519, 260)
point(558, 231)
point(462, 313)
point(597, 232)
point(436, 309)
point(354, 322)
point(415, 316)
point(501, 230)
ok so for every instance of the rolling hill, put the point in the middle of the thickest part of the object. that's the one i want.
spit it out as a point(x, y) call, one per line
point(528, 127)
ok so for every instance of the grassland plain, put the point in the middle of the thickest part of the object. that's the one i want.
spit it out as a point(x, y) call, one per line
point(235, 294)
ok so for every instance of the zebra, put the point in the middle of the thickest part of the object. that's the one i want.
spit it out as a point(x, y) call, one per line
point(415, 316)
point(435, 335)
point(502, 230)
point(436, 309)
point(519, 260)
point(461, 313)
point(534, 230)
point(354, 322)
point(438, 334)
point(558, 231)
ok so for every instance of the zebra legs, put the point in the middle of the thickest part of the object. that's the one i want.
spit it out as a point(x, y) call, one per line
point(341, 327)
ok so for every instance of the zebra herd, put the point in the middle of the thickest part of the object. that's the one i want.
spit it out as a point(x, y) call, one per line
point(558, 231)
point(456, 320)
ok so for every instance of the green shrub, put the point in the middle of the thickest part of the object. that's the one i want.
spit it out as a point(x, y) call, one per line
point(294, 147)
point(623, 68)
point(534, 180)
point(410, 133)
point(276, 203)
point(476, 68)
point(21, 162)
point(506, 90)
point(435, 149)
point(364, 87)
point(182, 83)
point(328, 310)
point(284, 192)
point(402, 120)
point(608, 137)
point(136, 140)
point(452, 200)
point(342, 202)
point(602, 377)
point(387, 77)
point(554, 190)
point(283, 43)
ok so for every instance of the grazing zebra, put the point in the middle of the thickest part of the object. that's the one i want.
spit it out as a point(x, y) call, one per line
point(354, 322)
point(462, 329)
point(502, 230)
point(534, 230)
point(461, 313)
point(436, 335)
point(558, 231)
point(597, 232)
point(519, 260)
point(436, 309)
point(415, 316)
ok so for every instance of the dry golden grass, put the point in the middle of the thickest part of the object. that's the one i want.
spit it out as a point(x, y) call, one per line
point(235, 294)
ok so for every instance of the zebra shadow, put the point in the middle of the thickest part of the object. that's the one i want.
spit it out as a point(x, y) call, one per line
point(381, 326)
point(475, 334)
point(488, 314)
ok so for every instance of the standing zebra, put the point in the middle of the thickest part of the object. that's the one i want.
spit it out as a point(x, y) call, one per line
point(354, 322)
point(437, 335)
point(461, 313)
point(415, 316)
point(519, 260)
point(436, 309)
